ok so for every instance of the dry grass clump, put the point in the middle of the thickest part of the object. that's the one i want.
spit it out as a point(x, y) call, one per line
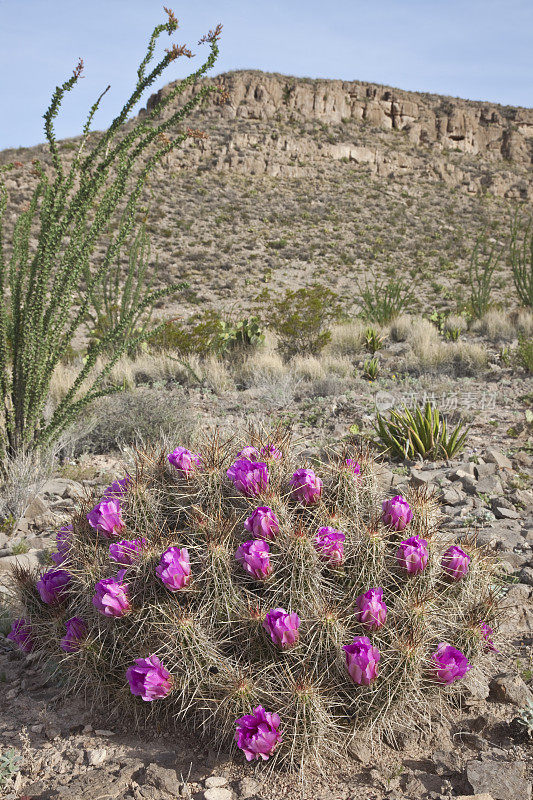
point(415, 330)
point(208, 631)
point(499, 325)
point(347, 339)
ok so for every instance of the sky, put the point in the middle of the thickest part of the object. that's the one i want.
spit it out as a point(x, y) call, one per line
point(476, 49)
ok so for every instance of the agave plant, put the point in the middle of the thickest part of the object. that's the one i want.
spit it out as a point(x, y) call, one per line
point(420, 431)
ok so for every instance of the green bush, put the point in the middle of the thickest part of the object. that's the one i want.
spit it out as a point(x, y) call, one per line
point(521, 257)
point(208, 333)
point(419, 432)
point(524, 354)
point(301, 318)
point(483, 262)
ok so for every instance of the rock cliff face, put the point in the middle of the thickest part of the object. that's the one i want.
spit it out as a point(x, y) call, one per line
point(280, 125)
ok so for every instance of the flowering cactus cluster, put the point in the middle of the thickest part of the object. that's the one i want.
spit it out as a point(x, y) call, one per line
point(273, 605)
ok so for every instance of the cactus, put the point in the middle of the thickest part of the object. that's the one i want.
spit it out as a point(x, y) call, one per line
point(269, 603)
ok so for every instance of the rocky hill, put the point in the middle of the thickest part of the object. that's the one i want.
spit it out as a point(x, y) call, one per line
point(304, 180)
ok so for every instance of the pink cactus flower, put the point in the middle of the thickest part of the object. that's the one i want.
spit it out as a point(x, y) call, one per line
point(76, 633)
point(362, 660)
point(63, 543)
point(282, 627)
point(262, 523)
point(397, 513)
point(127, 551)
point(353, 466)
point(253, 557)
point(111, 596)
point(486, 634)
point(249, 453)
point(271, 453)
point(118, 488)
point(249, 477)
point(185, 461)
point(174, 568)
point(455, 563)
point(306, 486)
point(149, 679)
point(106, 518)
point(21, 635)
point(53, 586)
point(258, 734)
point(450, 663)
point(412, 555)
point(329, 545)
point(372, 611)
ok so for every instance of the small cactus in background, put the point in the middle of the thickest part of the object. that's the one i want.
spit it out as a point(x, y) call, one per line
point(274, 605)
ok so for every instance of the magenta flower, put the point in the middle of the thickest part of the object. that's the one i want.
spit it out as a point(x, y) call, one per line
point(106, 518)
point(263, 523)
point(21, 635)
point(486, 633)
point(127, 551)
point(271, 453)
point(174, 568)
point(76, 633)
point(250, 453)
point(185, 461)
point(362, 660)
point(118, 488)
point(53, 586)
point(353, 466)
point(111, 596)
point(455, 563)
point(63, 543)
point(306, 486)
point(253, 557)
point(249, 477)
point(282, 627)
point(329, 545)
point(397, 513)
point(412, 555)
point(149, 679)
point(372, 611)
point(258, 734)
point(450, 663)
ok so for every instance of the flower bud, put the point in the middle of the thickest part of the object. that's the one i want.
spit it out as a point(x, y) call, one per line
point(185, 461)
point(362, 660)
point(282, 627)
point(76, 633)
point(53, 586)
point(253, 557)
point(149, 679)
point(174, 568)
point(21, 635)
point(455, 563)
point(306, 486)
point(106, 518)
point(258, 734)
point(111, 596)
point(329, 545)
point(249, 477)
point(372, 611)
point(450, 663)
point(262, 523)
point(412, 555)
point(397, 513)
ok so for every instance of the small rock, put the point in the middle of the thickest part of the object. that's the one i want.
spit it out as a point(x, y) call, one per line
point(493, 456)
point(218, 794)
point(248, 787)
point(419, 478)
point(28, 560)
point(504, 780)
point(37, 508)
point(490, 485)
point(162, 778)
point(483, 796)
point(482, 470)
point(475, 686)
point(96, 756)
point(510, 688)
point(215, 781)
point(526, 576)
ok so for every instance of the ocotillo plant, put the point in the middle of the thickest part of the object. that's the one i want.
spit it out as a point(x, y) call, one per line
point(268, 603)
point(41, 303)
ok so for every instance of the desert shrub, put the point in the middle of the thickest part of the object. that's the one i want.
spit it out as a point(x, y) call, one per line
point(524, 354)
point(384, 300)
point(408, 433)
point(301, 318)
point(133, 417)
point(483, 262)
point(255, 588)
point(521, 258)
point(53, 277)
point(208, 333)
point(347, 339)
point(373, 340)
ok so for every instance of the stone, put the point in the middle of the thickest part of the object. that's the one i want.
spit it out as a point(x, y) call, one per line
point(526, 576)
point(420, 478)
point(215, 781)
point(475, 686)
point(501, 512)
point(493, 456)
point(359, 749)
point(96, 756)
point(503, 780)
point(162, 778)
point(490, 485)
point(28, 560)
point(483, 470)
point(453, 496)
point(37, 508)
point(218, 793)
point(483, 796)
point(248, 787)
point(510, 688)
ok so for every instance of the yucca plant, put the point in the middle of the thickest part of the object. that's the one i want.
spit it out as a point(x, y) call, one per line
point(420, 431)
point(371, 368)
point(43, 299)
point(267, 603)
point(373, 340)
point(521, 257)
